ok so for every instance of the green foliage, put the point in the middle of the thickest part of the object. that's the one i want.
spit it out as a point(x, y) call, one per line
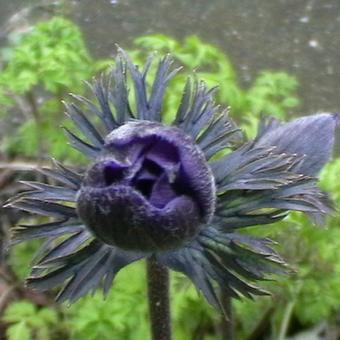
point(27, 322)
point(53, 55)
point(123, 315)
point(41, 67)
point(319, 258)
point(271, 93)
point(18, 258)
point(329, 179)
point(249, 314)
point(192, 315)
point(45, 136)
point(314, 254)
point(25, 142)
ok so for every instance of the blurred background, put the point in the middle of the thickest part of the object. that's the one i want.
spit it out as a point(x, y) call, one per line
point(276, 58)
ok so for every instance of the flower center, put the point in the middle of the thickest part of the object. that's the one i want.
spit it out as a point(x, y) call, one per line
point(150, 189)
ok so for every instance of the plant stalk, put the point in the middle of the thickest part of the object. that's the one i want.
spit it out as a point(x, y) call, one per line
point(158, 296)
point(287, 316)
point(288, 312)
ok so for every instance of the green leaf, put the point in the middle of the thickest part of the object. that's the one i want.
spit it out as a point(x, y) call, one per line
point(18, 311)
point(19, 331)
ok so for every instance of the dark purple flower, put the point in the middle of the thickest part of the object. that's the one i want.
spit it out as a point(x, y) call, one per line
point(161, 191)
point(149, 189)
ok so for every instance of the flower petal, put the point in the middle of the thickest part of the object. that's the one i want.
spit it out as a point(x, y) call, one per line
point(149, 108)
point(258, 184)
point(243, 208)
point(194, 171)
point(218, 261)
point(310, 136)
point(60, 173)
point(162, 193)
point(253, 168)
point(198, 116)
point(84, 270)
point(122, 216)
point(44, 208)
point(46, 192)
point(80, 145)
point(84, 125)
point(51, 230)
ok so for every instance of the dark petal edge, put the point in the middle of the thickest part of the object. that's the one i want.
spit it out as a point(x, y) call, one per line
point(46, 192)
point(49, 209)
point(149, 107)
point(310, 136)
point(78, 259)
point(70, 256)
point(258, 185)
point(84, 269)
point(42, 199)
point(218, 261)
point(46, 230)
point(63, 175)
point(198, 116)
point(112, 93)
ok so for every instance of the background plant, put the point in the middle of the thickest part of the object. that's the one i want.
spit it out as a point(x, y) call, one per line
point(40, 68)
point(28, 322)
point(271, 92)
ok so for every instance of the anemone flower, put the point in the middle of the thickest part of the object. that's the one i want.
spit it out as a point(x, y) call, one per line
point(162, 192)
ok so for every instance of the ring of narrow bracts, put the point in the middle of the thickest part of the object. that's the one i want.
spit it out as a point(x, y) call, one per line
point(159, 190)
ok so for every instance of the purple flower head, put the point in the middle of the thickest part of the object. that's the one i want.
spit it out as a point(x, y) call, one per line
point(159, 191)
point(149, 189)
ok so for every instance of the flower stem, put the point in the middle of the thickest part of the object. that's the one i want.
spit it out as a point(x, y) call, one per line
point(158, 296)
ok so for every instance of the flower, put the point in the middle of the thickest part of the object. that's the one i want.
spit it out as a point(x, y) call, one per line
point(151, 189)
point(161, 191)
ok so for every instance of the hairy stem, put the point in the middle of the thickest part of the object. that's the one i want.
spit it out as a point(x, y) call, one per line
point(158, 296)
point(228, 319)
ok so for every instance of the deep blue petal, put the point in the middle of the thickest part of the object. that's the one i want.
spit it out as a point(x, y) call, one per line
point(310, 136)
point(217, 261)
point(83, 270)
